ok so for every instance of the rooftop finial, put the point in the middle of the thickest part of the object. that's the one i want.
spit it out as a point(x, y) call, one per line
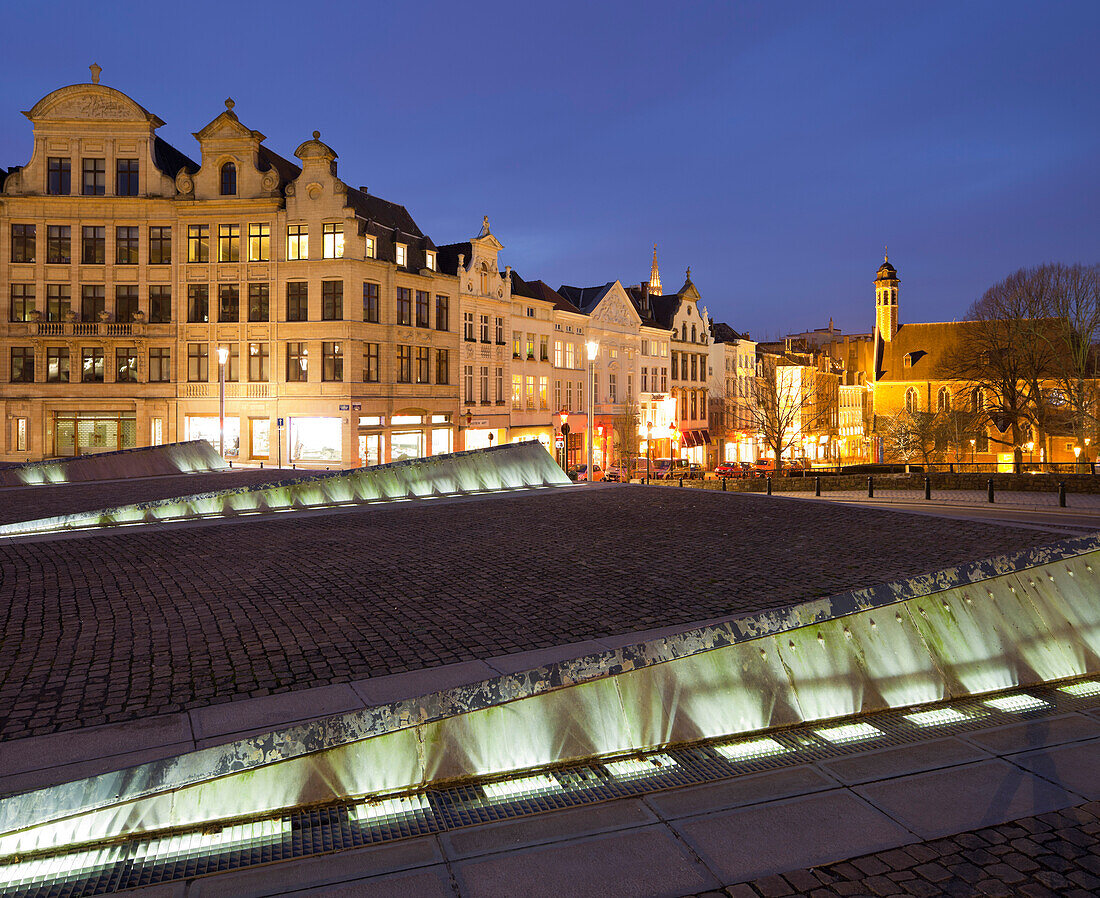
point(316, 135)
point(689, 273)
point(229, 104)
point(886, 254)
point(95, 70)
point(654, 275)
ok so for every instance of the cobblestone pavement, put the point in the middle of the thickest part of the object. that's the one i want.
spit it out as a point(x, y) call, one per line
point(122, 625)
point(28, 503)
point(1054, 855)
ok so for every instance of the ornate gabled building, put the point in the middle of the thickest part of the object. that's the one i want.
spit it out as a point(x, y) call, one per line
point(128, 281)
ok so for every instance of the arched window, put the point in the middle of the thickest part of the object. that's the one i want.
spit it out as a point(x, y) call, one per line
point(229, 179)
point(943, 400)
point(693, 405)
point(912, 401)
point(693, 333)
point(484, 279)
point(685, 332)
point(977, 399)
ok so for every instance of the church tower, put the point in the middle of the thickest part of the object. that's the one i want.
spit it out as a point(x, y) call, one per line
point(886, 300)
point(654, 276)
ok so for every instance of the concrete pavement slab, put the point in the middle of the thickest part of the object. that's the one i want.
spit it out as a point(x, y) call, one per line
point(966, 797)
point(761, 840)
point(743, 790)
point(433, 882)
point(1077, 766)
point(273, 710)
point(520, 661)
point(320, 871)
point(1036, 732)
point(876, 765)
point(544, 828)
point(638, 863)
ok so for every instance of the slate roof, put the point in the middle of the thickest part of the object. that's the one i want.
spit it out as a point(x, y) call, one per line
point(448, 254)
point(643, 304)
point(287, 170)
point(585, 298)
point(665, 308)
point(542, 290)
point(390, 224)
point(170, 160)
point(721, 332)
point(929, 347)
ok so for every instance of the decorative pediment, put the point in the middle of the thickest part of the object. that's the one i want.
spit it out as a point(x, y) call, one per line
point(227, 127)
point(615, 308)
point(89, 102)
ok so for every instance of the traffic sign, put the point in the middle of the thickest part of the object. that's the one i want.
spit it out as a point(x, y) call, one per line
point(559, 442)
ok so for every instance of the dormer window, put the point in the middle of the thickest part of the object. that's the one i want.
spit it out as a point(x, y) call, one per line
point(429, 260)
point(370, 251)
point(401, 254)
point(907, 360)
point(229, 179)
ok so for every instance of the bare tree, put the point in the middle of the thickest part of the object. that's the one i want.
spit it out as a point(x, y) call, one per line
point(787, 402)
point(914, 435)
point(1070, 330)
point(627, 439)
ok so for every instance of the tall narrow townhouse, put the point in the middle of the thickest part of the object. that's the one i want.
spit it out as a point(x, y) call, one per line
point(89, 261)
point(487, 347)
point(532, 323)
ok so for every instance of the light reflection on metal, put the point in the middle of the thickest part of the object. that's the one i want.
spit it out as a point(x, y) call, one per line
point(937, 717)
point(1016, 703)
point(747, 751)
point(507, 790)
point(1084, 689)
point(632, 768)
point(389, 808)
point(848, 732)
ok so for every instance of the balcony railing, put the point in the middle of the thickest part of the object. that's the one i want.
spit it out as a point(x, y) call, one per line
point(86, 329)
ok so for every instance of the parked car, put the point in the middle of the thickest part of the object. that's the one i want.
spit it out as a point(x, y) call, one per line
point(581, 473)
point(728, 469)
point(763, 466)
point(615, 474)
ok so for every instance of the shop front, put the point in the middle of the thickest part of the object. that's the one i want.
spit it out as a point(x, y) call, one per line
point(407, 434)
point(90, 432)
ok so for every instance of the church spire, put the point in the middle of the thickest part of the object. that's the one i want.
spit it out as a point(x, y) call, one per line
point(654, 276)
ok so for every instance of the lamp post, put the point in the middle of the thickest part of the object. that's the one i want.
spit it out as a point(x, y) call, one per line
point(1076, 459)
point(972, 444)
point(1030, 453)
point(593, 347)
point(223, 357)
point(648, 451)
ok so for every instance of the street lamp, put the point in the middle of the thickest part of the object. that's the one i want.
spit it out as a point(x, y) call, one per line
point(223, 357)
point(972, 452)
point(1030, 452)
point(593, 348)
point(1076, 458)
point(648, 451)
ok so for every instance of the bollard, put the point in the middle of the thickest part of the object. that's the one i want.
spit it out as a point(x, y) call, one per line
point(817, 486)
point(1062, 493)
point(989, 489)
point(769, 486)
point(261, 466)
point(870, 487)
point(927, 487)
point(231, 464)
point(681, 481)
point(723, 484)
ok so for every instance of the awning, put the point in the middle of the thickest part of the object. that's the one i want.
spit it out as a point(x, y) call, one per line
point(694, 438)
point(689, 440)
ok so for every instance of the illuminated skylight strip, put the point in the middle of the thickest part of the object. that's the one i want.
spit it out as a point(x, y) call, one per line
point(1016, 703)
point(937, 717)
point(632, 768)
point(1084, 689)
point(746, 751)
point(371, 811)
point(524, 787)
point(58, 867)
point(225, 839)
point(849, 732)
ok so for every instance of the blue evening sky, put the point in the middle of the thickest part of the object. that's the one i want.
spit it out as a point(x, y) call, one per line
point(774, 146)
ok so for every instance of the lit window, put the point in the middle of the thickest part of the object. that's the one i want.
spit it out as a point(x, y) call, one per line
point(229, 243)
point(370, 251)
point(401, 254)
point(429, 260)
point(259, 243)
point(332, 241)
point(297, 242)
point(198, 243)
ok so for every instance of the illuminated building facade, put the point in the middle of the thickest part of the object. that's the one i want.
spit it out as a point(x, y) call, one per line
point(732, 370)
point(128, 266)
